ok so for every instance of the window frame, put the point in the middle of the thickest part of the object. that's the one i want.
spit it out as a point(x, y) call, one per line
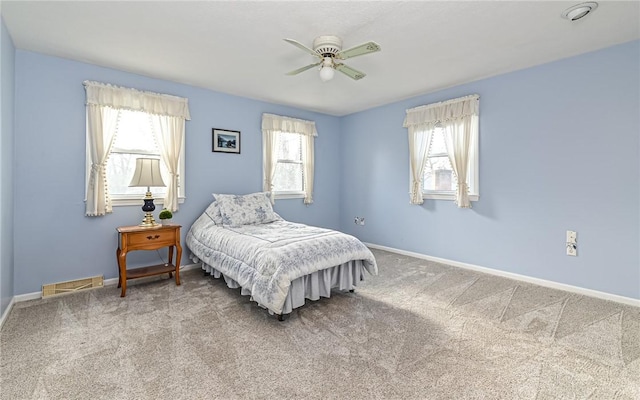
point(473, 175)
point(291, 194)
point(119, 200)
point(272, 125)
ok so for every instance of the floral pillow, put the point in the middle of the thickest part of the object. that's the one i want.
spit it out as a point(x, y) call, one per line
point(249, 209)
point(213, 211)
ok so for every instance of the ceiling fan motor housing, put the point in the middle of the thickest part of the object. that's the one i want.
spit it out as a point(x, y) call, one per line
point(327, 46)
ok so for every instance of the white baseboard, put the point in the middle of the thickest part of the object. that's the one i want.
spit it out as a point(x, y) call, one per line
point(537, 281)
point(27, 296)
point(37, 295)
point(6, 312)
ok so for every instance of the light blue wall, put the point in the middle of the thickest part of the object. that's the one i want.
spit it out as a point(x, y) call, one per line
point(559, 150)
point(54, 241)
point(7, 57)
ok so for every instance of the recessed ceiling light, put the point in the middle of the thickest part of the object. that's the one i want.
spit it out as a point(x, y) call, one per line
point(579, 11)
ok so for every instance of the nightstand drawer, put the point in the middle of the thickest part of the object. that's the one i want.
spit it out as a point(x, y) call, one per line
point(151, 238)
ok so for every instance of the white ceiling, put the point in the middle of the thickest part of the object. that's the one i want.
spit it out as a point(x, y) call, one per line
point(237, 47)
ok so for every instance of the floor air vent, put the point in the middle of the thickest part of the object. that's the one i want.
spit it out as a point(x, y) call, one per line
point(72, 286)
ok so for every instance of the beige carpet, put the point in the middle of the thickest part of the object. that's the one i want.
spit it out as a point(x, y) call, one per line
point(419, 330)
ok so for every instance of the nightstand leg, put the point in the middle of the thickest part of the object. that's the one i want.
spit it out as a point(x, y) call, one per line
point(170, 259)
point(119, 274)
point(178, 256)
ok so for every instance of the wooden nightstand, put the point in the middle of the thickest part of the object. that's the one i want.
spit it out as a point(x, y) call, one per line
point(141, 238)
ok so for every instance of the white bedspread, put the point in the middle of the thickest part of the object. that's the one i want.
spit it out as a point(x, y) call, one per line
point(266, 258)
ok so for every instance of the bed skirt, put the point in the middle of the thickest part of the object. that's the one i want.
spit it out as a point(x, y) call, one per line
point(313, 286)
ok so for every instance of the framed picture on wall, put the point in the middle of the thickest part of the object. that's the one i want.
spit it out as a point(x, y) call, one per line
point(225, 141)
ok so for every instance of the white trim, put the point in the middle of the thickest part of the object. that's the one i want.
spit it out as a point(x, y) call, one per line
point(138, 201)
point(27, 296)
point(6, 312)
point(446, 196)
point(189, 267)
point(38, 295)
point(287, 195)
point(445, 102)
point(537, 281)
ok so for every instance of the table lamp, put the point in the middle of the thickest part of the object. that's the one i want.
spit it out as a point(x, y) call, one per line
point(147, 174)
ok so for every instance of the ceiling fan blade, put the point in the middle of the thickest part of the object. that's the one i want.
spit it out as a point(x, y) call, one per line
point(297, 71)
point(364, 48)
point(350, 72)
point(302, 47)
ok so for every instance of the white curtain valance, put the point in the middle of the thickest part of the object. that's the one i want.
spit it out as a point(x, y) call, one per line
point(106, 95)
point(271, 122)
point(443, 111)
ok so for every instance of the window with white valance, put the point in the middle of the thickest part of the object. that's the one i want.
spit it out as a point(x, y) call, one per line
point(443, 151)
point(288, 157)
point(122, 124)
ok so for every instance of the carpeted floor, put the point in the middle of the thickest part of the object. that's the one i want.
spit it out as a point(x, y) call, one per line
point(419, 330)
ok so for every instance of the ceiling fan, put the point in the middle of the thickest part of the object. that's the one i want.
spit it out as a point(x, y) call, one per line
point(329, 49)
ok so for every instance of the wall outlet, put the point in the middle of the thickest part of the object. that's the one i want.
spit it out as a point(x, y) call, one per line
point(572, 243)
point(359, 221)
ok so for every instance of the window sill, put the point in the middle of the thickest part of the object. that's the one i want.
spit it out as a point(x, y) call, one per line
point(447, 196)
point(288, 195)
point(139, 201)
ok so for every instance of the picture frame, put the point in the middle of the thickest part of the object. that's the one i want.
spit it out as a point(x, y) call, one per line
point(225, 141)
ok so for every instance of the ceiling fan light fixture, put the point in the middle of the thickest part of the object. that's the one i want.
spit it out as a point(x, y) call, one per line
point(328, 49)
point(326, 69)
point(326, 73)
point(579, 11)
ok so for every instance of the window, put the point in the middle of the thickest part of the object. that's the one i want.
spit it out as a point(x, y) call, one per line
point(288, 157)
point(440, 182)
point(443, 151)
point(289, 176)
point(122, 125)
point(134, 138)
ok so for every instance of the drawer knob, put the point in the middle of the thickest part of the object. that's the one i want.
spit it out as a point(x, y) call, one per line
point(153, 237)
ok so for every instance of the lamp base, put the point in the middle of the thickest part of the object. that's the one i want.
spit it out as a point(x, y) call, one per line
point(148, 221)
point(148, 208)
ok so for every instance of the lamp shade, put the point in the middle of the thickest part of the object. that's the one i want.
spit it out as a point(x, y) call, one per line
point(147, 173)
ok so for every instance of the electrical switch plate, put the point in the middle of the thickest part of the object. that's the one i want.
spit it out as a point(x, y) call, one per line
point(572, 243)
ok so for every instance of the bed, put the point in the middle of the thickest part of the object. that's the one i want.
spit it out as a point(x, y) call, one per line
point(278, 263)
